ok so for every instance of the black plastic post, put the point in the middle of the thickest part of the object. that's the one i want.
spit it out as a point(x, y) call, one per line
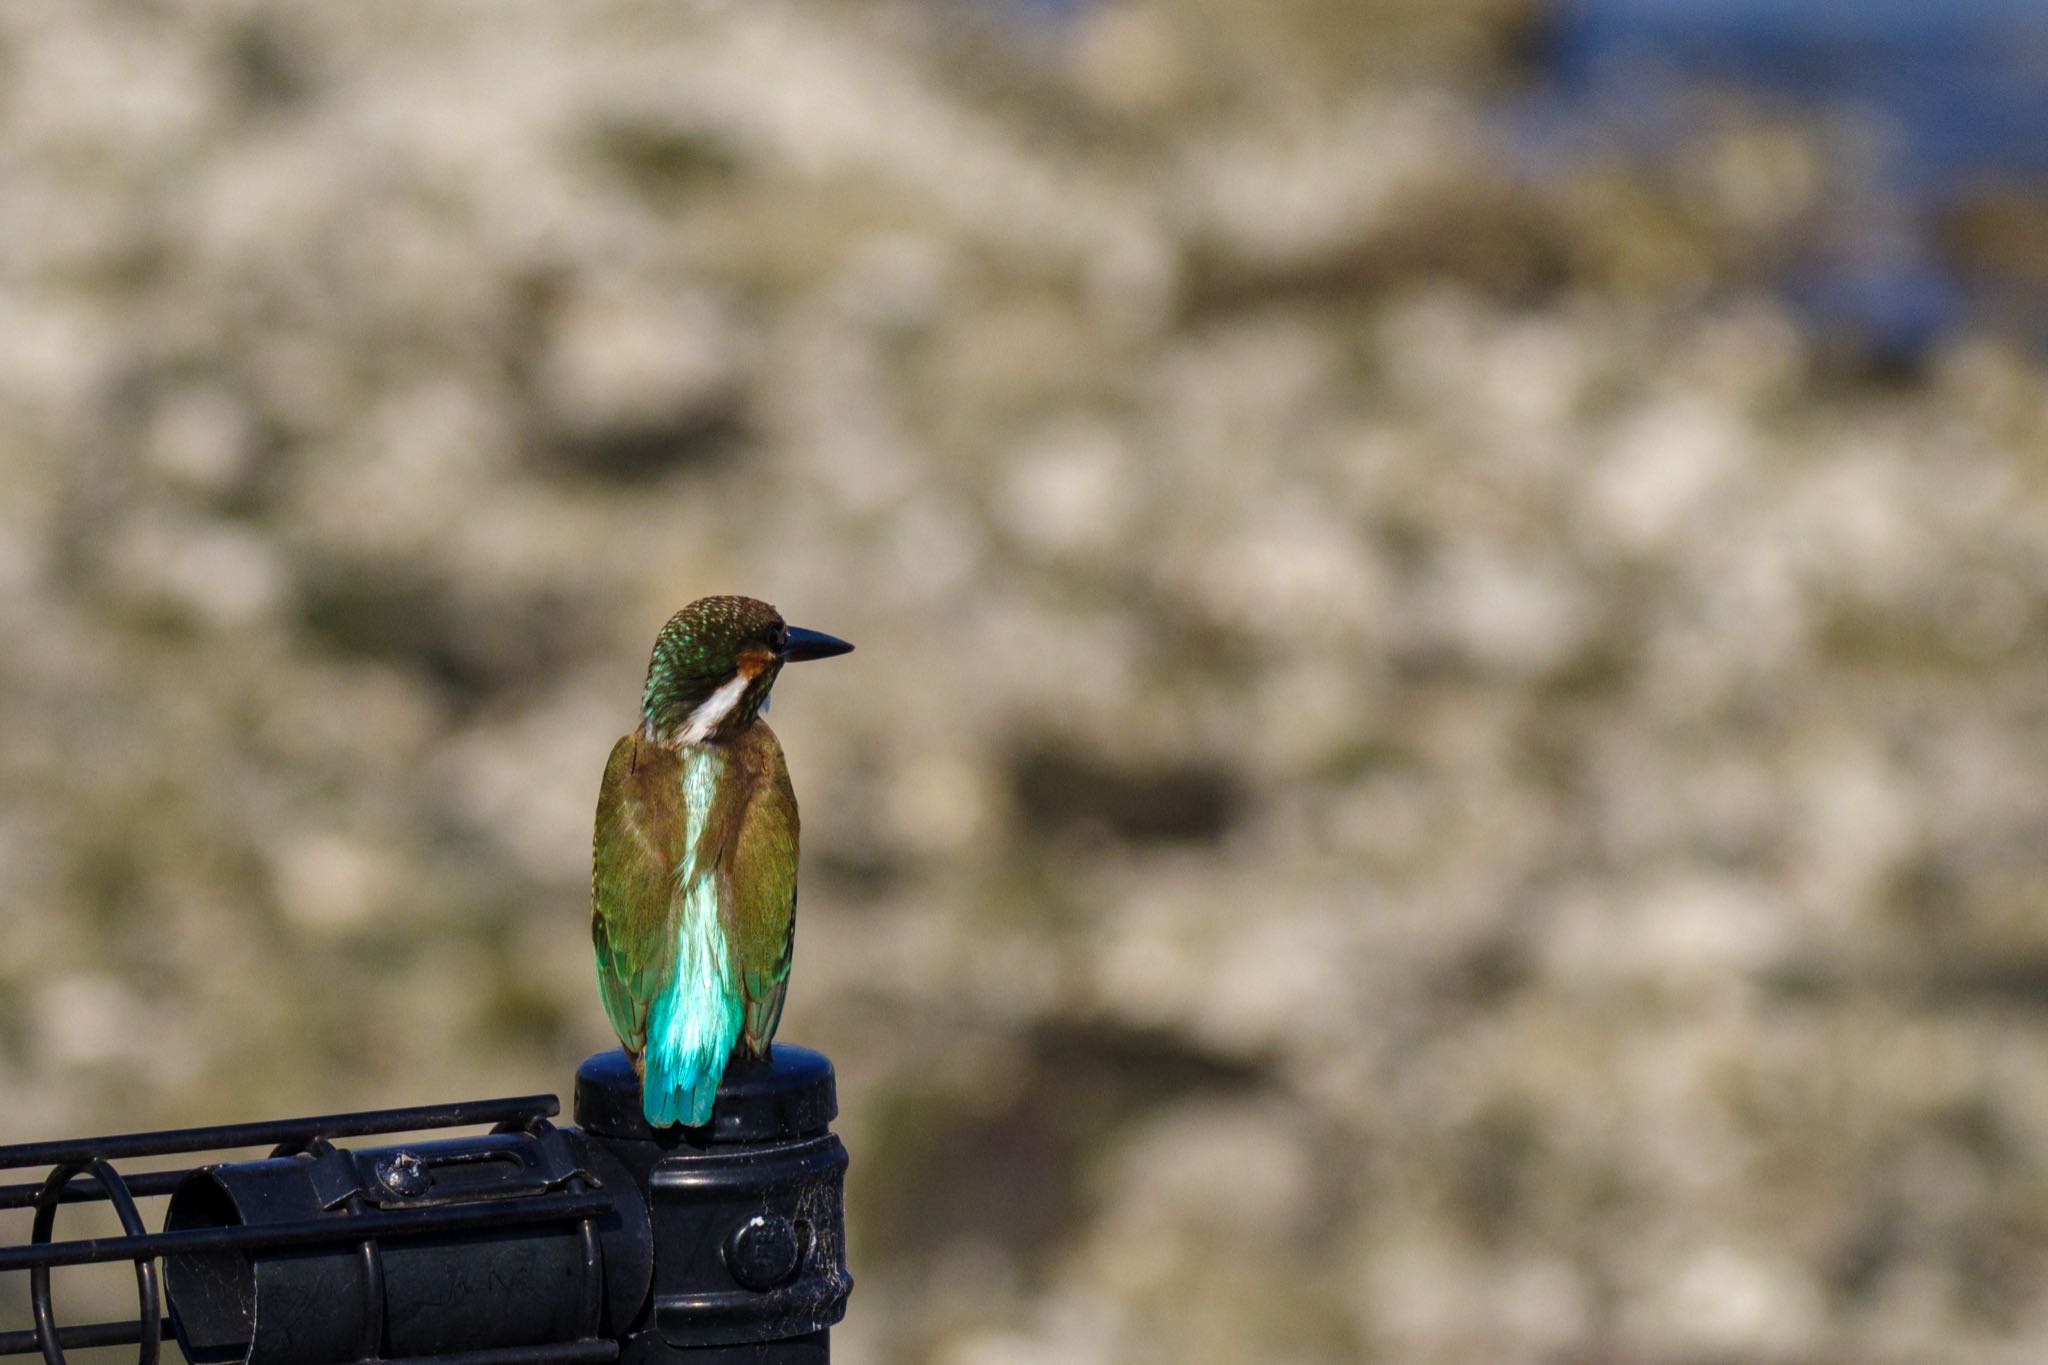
point(747, 1211)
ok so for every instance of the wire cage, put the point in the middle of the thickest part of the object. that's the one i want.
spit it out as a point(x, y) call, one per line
point(526, 1244)
point(83, 1169)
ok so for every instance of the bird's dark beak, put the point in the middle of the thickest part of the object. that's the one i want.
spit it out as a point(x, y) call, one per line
point(811, 644)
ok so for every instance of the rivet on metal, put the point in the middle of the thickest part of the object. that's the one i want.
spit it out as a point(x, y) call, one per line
point(405, 1175)
point(763, 1251)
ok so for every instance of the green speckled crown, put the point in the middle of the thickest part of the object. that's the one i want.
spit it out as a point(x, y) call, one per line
point(700, 650)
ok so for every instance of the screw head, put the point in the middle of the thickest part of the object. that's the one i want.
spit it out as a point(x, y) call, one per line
point(404, 1174)
point(763, 1251)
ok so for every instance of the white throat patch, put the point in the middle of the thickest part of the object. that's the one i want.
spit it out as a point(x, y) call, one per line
point(712, 711)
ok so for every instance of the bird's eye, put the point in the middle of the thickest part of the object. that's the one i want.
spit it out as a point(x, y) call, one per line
point(777, 637)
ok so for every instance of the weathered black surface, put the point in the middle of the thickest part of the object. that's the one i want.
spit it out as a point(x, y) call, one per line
point(747, 1211)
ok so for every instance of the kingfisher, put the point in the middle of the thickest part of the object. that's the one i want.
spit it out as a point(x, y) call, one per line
point(693, 878)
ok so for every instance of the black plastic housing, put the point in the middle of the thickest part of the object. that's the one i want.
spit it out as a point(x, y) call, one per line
point(747, 1211)
point(528, 1283)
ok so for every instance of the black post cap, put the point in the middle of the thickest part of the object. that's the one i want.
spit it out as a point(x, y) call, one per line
point(790, 1094)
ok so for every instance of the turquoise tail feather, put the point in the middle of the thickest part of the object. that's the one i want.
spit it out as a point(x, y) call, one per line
point(691, 1029)
point(680, 1097)
point(696, 1014)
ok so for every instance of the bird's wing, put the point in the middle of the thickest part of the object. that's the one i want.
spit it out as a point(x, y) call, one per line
point(632, 881)
point(762, 887)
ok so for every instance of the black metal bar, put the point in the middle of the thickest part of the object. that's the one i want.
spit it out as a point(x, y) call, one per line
point(123, 1333)
point(593, 1271)
point(546, 1208)
point(142, 1186)
point(274, 1131)
point(593, 1248)
point(371, 1257)
point(559, 1353)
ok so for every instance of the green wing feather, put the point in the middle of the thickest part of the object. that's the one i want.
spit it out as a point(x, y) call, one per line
point(640, 832)
point(762, 904)
point(635, 847)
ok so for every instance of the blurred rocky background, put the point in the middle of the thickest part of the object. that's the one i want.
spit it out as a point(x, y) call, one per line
point(1448, 761)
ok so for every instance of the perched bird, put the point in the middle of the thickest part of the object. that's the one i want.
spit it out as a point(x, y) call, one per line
point(693, 881)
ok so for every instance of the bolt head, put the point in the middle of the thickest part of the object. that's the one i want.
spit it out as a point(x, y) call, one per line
point(763, 1251)
point(405, 1175)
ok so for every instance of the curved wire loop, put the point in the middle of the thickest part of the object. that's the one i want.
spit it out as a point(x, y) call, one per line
point(368, 1254)
point(147, 1291)
point(537, 1125)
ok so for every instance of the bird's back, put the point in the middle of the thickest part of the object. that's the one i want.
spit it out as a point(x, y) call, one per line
point(693, 898)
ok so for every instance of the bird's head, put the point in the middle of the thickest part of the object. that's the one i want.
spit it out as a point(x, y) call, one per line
point(713, 664)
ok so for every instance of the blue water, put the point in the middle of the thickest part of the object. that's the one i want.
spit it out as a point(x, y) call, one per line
point(1961, 84)
point(1954, 94)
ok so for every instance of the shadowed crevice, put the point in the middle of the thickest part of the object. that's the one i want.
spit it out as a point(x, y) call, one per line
point(1058, 788)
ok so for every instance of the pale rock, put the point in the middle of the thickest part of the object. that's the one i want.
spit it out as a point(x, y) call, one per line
point(222, 574)
point(330, 882)
point(1070, 489)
